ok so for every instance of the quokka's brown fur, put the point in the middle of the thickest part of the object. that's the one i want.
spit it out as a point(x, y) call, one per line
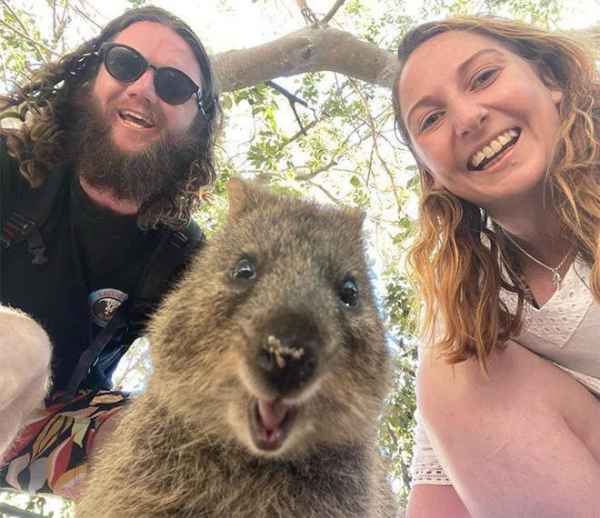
point(301, 334)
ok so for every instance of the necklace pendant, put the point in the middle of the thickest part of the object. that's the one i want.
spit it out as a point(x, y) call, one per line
point(556, 280)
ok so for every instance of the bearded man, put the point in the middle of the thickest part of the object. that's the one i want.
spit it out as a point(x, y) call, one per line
point(98, 183)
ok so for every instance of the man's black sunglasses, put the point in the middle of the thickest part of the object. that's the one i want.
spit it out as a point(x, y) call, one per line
point(127, 65)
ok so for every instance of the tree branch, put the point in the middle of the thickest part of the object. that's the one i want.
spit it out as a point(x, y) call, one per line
point(86, 16)
point(315, 49)
point(299, 134)
point(326, 192)
point(311, 49)
point(327, 18)
point(309, 176)
point(293, 100)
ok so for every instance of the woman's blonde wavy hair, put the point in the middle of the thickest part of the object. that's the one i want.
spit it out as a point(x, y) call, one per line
point(458, 254)
point(40, 114)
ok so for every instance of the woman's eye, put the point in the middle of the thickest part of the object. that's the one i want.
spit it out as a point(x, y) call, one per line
point(244, 269)
point(484, 77)
point(430, 120)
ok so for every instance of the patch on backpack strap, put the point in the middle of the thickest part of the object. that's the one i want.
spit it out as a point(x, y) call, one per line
point(104, 303)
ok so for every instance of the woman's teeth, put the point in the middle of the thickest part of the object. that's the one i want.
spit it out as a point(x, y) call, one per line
point(502, 142)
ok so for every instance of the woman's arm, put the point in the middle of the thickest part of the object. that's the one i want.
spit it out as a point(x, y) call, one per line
point(434, 501)
point(521, 442)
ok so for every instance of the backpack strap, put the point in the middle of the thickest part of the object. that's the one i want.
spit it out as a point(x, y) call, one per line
point(30, 211)
point(89, 356)
point(171, 255)
point(163, 269)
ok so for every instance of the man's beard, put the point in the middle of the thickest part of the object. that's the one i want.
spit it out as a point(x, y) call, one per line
point(142, 177)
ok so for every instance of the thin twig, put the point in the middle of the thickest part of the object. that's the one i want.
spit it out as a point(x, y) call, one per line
point(308, 176)
point(3, 61)
point(307, 13)
point(326, 192)
point(335, 155)
point(59, 31)
point(293, 100)
point(36, 44)
point(300, 133)
point(290, 96)
point(327, 18)
point(86, 16)
point(375, 134)
point(54, 20)
point(310, 125)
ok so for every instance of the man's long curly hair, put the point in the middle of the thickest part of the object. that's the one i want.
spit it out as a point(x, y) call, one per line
point(458, 254)
point(42, 113)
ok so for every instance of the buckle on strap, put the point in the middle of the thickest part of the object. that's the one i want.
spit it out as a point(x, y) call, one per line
point(17, 228)
point(178, 239)
point(37, 247)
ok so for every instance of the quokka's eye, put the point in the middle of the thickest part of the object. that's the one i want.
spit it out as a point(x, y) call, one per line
point(245, 269)
point(348, 293)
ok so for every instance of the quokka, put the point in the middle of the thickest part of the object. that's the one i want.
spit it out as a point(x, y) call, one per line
point(271, 370)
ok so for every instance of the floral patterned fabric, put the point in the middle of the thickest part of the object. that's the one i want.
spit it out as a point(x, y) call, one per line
point(51, 452)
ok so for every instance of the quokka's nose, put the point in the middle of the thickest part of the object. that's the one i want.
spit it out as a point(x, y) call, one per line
point(288, 358)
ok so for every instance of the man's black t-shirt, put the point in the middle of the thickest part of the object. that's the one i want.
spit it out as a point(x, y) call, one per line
point(95, 262)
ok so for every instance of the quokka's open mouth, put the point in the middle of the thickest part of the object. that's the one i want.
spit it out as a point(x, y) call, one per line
point(270, 423)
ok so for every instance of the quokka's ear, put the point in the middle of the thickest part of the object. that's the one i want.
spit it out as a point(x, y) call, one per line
point(240, 198)
point(359, 215)
point(245, 196)
point(357, 218)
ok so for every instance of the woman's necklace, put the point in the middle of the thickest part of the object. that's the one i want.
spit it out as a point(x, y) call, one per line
point(556, 276)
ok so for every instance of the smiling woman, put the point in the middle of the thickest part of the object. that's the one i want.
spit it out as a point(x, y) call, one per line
point(506, 138)
point(488, 112)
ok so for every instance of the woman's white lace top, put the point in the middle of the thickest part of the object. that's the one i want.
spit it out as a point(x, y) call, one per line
point(565, 330)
